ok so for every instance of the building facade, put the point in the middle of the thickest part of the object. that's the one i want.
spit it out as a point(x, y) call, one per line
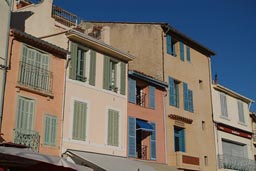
point(185, 65)
point(233, 129)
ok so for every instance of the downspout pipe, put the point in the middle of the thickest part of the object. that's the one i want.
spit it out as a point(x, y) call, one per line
point(5, 67)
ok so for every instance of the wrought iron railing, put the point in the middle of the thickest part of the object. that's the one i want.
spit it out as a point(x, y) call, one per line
point(140, 99)
point(35, 77)
point(142, 152)
point(28, 138)
point(236, 163)
point(64, 17)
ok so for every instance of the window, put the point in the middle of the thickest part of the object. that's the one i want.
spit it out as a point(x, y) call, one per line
point(79, 121)
point(188, 98)
point(83, 64)
point(113, 128)
point(140, 96)
point(174, 92)
point(179, 139)
point(170, 43)
point(153, 142)
point(50, 130)
point(223, 105)
point(114, 78)
point(240, 111)
point(34, 70)
point(231, 148)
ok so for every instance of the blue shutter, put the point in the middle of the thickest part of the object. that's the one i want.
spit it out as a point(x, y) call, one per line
point(181, 51)
point(169, 44)
point(185, 96)
point(131, 137)
point(132, 90)
point(188, 53)
point(172, 100)
point(190, 101)
point(153, 142)
point(182, 140)
point(152, 92)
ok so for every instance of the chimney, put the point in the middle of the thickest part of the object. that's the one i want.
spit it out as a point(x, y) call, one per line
point(215, 81)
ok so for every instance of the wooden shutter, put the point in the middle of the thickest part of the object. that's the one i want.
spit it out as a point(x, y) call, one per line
point(153, 142)
point(50, 130)
point(185, 96)
point(131, 137)
point(132, 90)
point(123, 78)
point(188, 53)
point(47, 125)
point(181, 51)
point(172, 98)
point(169, 44)
point(190, 101)
point(177, 95)
point(223, 103)
point(106, 74)
point(240, 111)
point(152, 94)
point(25, 116)
point(73, 62)
point(92, 68)
point(79, 120)
point(113, 128)
point(182, 140)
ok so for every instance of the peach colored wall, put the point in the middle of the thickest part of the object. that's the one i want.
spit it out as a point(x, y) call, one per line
point(98, 102)
point(156, 116)
point(43, 104)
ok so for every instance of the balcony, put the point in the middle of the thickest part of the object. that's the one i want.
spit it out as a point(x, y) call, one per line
point(141, 152)
point(35, 78)
point(28, 138)
point(64, 17)
point(236, 163)
point(140, 99)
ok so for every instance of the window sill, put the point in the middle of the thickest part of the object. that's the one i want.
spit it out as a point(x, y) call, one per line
point(50, 146)
point(32, 90)
point(224, 117)
point(242, 123)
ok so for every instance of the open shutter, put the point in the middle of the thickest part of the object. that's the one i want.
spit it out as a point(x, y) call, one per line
point(153, 142)
point(123, 78)
point(151, 92)
point(190, 101)
point(188, 53)
point(132, 90)
point(92, 68)
point(131, 137)
point(169, 44)
point(181, 51)
point(73, 62)
point(185, 96)
point(172, 100)
point(182, 140)
point(106, 77)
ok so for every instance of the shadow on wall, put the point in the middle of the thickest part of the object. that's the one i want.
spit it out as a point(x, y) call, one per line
point(18, 19)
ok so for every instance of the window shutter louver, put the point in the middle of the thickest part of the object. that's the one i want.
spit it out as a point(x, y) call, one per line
point(182, 51)
point(153, 142)
point(185, 96)
point(47, 130)
point(172, 98)
point(188, 53)
point(106, 78)
point(131, 137)
point(53, 130)
point(240, 111)
point(113, 128)
point(169, 44)
point(223, 103)
point(190, 101)
point(152, 92)
point(92, 75)
point(123, 78)
point(132, 90)
point(79, 120)
point(73, 62)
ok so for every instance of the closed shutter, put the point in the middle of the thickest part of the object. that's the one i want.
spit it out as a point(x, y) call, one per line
point(25, 116)
point(223, 103)
point(132, 90)
point(79, 120)
point(153, 142)
point(92, 68)
point(188, 53)
point(181, 51)
point(131, 137)
point(47, 125)
point(50, 130)
point(240, 111)
point(152, 94)
point(123, 78)
point(113, 128)
point(234, 149)
point(106, 74)
point(185, 96)
point(172, 98)
point(73, 62)
point(169, 44)
point(190, 101)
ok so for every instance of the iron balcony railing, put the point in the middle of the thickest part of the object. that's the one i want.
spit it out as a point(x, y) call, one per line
point(140, 99)
point(35, 77)
point(236, 163)
point(64, 17)
point(28, 138)
point(142, 152)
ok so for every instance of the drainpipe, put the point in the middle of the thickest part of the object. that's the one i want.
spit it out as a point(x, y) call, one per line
point(165, 132)
point(5, 67)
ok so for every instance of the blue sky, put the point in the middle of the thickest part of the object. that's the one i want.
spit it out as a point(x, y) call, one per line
point(227, 27)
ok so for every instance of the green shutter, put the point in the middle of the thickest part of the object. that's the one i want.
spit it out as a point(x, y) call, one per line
point(113, 128)
point(123, 78)
point(50, 128)
point(182, 51)
point(53, 130)
point(73, 62)
point(92, 68)
point(188, 53)
point(106, 76)
point(47, 123)
point(79, 121)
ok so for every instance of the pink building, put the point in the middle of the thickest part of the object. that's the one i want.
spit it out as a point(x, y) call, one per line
point(34, 94)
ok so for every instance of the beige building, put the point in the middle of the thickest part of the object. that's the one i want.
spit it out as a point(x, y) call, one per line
point(233, 129)
point(166, 54)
